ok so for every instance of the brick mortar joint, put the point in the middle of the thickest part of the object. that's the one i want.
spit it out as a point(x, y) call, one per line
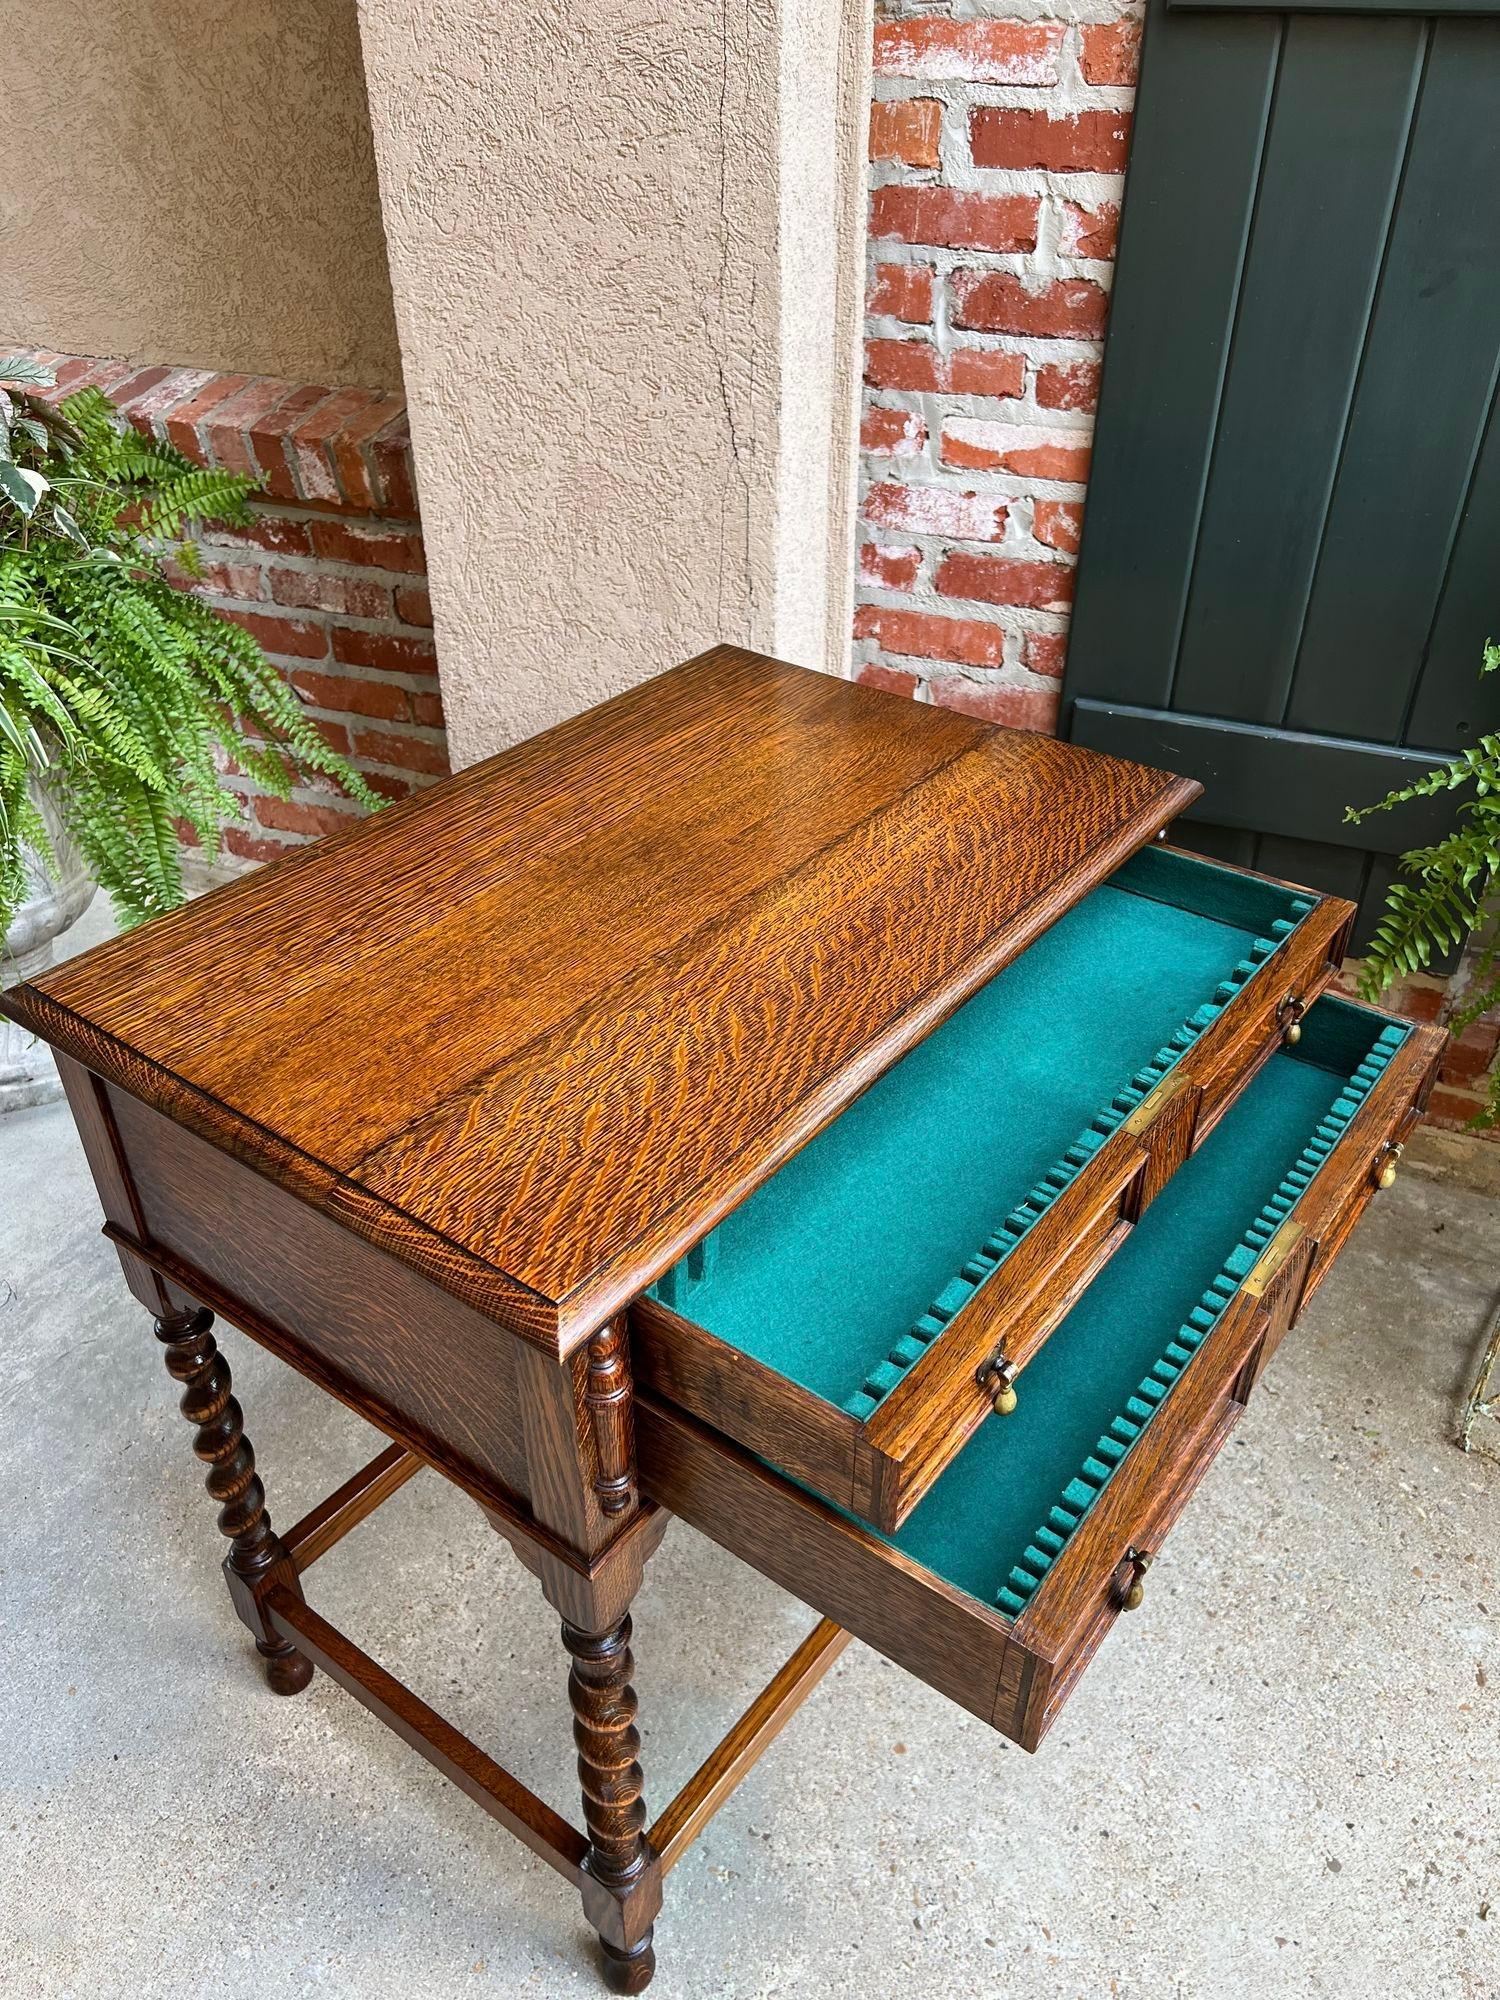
point(344, 571)
point(304, 515)
point(382, 624)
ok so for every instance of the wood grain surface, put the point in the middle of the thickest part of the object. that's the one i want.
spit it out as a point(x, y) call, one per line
point(535, 1030)
point(417, 1364)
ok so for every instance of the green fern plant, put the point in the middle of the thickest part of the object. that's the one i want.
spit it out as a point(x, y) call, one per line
point(1454, 889)
point(118, 690)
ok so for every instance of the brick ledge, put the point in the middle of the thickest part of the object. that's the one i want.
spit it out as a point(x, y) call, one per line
point(344, 449)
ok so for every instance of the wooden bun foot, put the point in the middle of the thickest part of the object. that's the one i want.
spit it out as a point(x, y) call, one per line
point(288, 1672)
point(628, 1971)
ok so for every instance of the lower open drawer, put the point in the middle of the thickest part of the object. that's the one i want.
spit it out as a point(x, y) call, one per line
point(1005, 1578)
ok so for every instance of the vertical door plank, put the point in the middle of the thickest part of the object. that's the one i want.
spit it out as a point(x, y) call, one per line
point(1337, 135)
point(1452, 707)
point(1337, 871)
point(1418, 412)
point(1200, 122)
point(1219, 843)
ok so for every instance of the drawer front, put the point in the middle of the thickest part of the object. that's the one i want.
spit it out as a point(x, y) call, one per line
point(1371, 1150)
point(1272, 1007)
point(880, 1466)
point(1089, 1586)
point(935, 1409)
point(1017, 1672)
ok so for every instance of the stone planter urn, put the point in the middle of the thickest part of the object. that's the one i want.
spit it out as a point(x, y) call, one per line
point(54, 900)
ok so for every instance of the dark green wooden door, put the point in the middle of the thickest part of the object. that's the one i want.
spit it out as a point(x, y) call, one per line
point(1291, 555)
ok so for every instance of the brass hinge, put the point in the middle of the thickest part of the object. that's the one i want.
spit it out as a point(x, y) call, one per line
point(1155, 1100)
point(1271, 1259)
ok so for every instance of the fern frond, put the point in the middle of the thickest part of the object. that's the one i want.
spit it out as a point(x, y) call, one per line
point(1446, 894)
point(184, 499)
point(132, 696)
point(1479, 766)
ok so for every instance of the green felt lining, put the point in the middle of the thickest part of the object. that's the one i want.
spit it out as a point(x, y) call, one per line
point(878, 1384)
point(842, 1269)
point(998, 1518)
point(1166, 875)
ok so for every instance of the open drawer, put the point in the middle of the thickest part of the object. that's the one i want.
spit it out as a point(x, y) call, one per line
point(999, 1588)
point(859, 1316)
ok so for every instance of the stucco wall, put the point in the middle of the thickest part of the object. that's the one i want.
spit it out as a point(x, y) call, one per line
point(822, 187)
point(588, 247)
point(191, 181)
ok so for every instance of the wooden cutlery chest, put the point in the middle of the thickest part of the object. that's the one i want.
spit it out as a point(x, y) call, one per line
point(760, 1100)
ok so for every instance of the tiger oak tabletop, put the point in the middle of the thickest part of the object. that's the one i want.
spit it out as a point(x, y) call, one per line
point(533, 1030)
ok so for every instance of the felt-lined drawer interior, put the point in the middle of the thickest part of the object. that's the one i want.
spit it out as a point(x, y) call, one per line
point(840, 1320)
point(1001, 1584)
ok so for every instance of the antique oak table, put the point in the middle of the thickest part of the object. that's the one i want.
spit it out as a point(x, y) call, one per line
point(761, 1100)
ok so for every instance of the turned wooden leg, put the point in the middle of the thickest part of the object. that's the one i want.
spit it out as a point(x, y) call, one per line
point(256, 1558)
point(622, 1891)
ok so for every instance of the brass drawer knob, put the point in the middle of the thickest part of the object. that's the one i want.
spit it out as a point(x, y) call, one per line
point(1133, 1583)
point(997, 1378)
point(1289, 1019)
point(1390, 1160)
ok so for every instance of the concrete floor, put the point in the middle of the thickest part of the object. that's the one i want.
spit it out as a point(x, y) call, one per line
point(1279, 1778)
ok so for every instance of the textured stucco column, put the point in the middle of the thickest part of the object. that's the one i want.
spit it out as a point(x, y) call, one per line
point(189, 182)
point(625, 254)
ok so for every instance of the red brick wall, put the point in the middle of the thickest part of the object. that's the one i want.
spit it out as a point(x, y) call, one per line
point(997, 147)
point(330, 577)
